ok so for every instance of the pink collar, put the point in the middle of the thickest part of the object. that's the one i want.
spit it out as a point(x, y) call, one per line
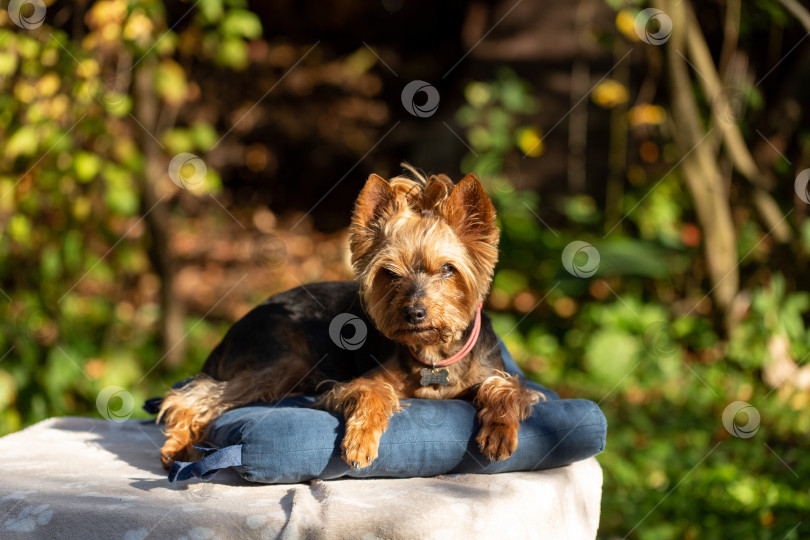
point(464, 350)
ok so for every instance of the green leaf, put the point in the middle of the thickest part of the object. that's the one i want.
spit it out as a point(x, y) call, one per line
point(170, 82)
point(466, 116)
point(28, 47)
point(582, 209)
point(204, 135)
point(19, 228)
point(233, 53)
point(631, 257)
point(478, 94)
point(8, 389)
point(22, 143)
point(480, 138)
point(86, 166)
point(72, 249)
point(118, 105)
point(516, 98)
point(120, 196)
point(178, 140)
point(8, 63)
point(50, 263)
point(510, 281)
point(211, 10)
point(611, 354)
point(241, 23)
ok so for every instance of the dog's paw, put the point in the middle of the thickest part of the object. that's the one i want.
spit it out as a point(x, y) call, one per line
point(360, 448)
point(173, 451)
point(497, 441)
point(166, 460)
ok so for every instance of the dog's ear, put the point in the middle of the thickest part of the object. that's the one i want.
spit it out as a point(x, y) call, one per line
point(468, 209)
point(471, 214)
point(375, 198)
point(375, 201)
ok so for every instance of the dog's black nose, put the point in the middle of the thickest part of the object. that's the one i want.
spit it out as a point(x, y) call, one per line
point(414, 314)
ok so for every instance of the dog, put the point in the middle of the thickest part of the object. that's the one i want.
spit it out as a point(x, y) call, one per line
point(423, 250)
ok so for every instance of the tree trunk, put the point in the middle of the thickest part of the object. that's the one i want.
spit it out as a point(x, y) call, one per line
point(701, 173)
point(157, 214)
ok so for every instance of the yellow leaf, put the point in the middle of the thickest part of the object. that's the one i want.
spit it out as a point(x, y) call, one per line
point(8, 63)
point(19, 229)
point(106, 12)
point(48, 85)
point(477, 94)
point(361, 60)
point(138, 28)
point(87, 69)
point(610, 93)
point(24, 92)
point(530, 141)
point(625, 22)
point(170, 82)
point(646, 114)
point(8, 389)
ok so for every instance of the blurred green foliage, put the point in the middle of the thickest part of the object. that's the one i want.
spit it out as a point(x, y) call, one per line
point(663, 373)
point(72, 242)
point(638, 336)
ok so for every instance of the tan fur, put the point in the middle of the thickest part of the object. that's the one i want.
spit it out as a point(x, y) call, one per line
point(410, 227)
point(367, 405)
point(188, 410)
point(503, 403)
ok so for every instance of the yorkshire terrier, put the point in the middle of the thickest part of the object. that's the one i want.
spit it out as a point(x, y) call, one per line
point(423, 252)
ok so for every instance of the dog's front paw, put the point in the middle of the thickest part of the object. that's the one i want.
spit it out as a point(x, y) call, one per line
point(497, 441)
point(360, 448)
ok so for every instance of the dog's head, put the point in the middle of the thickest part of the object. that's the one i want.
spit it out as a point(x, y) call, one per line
point(423, 252)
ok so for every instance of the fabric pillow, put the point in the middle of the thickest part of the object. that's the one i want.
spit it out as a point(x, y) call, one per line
point(287, 442)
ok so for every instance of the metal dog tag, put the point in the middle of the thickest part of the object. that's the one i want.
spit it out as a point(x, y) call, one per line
point(435, 376)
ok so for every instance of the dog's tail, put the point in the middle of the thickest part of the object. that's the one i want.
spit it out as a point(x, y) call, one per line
point(188, 410)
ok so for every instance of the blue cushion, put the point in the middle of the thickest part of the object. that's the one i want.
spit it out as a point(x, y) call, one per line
point(288, 442)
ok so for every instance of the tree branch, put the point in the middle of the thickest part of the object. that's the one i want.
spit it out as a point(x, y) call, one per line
point(798, 11)
point(701, 173)
point(732, 136)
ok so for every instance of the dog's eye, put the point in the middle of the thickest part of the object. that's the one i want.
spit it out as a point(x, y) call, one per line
point(390, 273)
point(447, 270)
